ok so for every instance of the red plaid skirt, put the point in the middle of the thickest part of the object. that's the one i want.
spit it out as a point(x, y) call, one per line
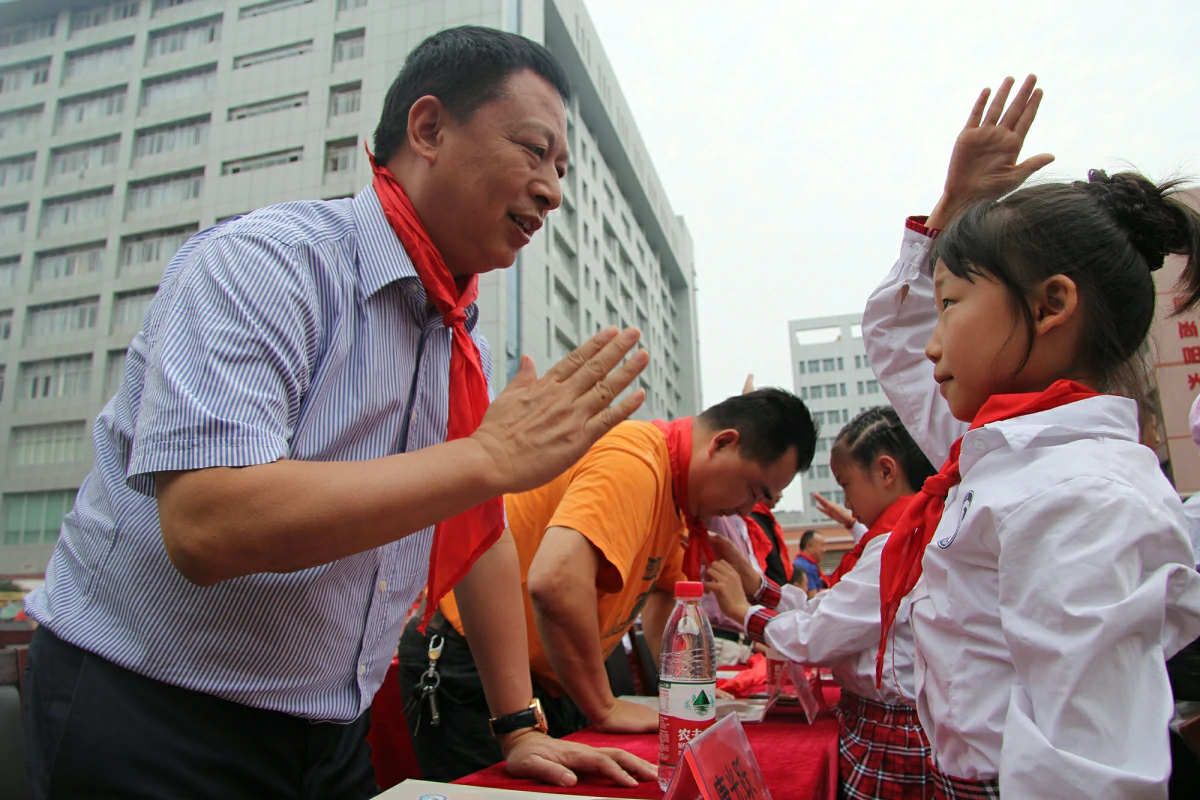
point(948, 787)
point(884, 754)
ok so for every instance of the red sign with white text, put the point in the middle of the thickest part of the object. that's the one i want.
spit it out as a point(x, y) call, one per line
point(719, 765)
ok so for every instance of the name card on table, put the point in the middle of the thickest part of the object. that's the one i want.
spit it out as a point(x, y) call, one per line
point(719, 765)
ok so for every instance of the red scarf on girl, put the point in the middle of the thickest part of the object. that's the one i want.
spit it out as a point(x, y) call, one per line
point(886, 522)
point(679, 447)
point(905, 550)
point(765, 541)
point(460, 540)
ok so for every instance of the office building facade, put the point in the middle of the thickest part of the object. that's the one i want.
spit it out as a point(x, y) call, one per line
point(128, 125)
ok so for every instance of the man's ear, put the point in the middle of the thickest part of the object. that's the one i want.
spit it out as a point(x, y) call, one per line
point(426, 121)
point(1056, 304)
point(726, 438)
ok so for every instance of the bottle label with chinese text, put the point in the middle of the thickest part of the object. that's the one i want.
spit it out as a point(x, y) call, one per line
point(685, 710)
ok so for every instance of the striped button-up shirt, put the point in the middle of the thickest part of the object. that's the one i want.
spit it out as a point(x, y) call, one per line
point(300, 331)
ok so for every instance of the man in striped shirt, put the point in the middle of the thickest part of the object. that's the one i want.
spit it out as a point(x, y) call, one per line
point(227, 592)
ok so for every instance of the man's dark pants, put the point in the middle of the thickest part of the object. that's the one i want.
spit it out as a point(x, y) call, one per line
point(461, 744)
point(93, 729)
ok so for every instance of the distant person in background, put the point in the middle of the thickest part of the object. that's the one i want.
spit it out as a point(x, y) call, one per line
point(812, 550)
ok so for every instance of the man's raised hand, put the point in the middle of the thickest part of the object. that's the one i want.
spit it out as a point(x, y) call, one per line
point(538, 427)
point(984, 164)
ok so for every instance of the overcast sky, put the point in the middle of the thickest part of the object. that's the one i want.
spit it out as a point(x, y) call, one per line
point(794, 137)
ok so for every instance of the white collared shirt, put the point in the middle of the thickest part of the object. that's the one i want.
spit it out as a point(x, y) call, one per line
point(1056, 586)
point(839, 628)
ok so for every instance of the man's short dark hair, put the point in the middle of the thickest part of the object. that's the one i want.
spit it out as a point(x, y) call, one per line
point(463, 67)
point(805, 539)
point(768, 422)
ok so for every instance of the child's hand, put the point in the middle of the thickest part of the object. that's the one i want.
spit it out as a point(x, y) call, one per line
point(832, 510)
point(722, 580)
point(728, 552)
point(984, 164)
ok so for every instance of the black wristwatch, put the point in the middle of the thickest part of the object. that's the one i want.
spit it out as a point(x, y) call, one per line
point(532, 717)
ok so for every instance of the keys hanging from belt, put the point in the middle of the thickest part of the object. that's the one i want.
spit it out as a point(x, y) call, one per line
point(426, 690)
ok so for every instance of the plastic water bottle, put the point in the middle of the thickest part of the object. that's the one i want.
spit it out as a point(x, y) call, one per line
point(687, 687)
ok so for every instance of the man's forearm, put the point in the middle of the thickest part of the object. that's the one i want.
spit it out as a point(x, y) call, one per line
point(567, 622)
point(222, 522)
point(655, 614)
point(493, 617)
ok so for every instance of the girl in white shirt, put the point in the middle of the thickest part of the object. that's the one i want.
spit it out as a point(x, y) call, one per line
point(1050, 594)
point(883, 752)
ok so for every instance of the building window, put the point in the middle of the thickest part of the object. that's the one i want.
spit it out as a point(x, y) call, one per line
point(130, 308)
point(174, 136)
point(158, 193)
point(841, 363)
point(86, 108)
point(108, 56)
point(252, 163)
point(803, 392)
point(76, 209)
point(166, 5)
point(861, 388)
point(1, 382)
point(823, 471)
point(268, 106)
point(178, 86)
point(872, 387)
point(818, 417)
point(59, 318)
point(96, 16)
point(79, 158)
point(152, 249)
point(858, 364)
point(17, 170)
point(27, 32)
point(350, 5)
point(349, 46)
point(274, 54)
point(341, 156)
point(801, 367)
point(35, 517)
point(178, 38)
point(8, 275)
point(345, 99)
point(5, 325)
point(57, 443)
point(814, 365)
point(258, 9)
point(20, 124)
point(57, 377)
point(24, 75)
point(114, 372)
point(816, 392)
point(827, 364)
point(69, 262)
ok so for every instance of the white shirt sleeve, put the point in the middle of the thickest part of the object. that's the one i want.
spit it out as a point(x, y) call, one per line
point(857, 531)
point(836, 623)
point(897, 322)
point(1086, 571)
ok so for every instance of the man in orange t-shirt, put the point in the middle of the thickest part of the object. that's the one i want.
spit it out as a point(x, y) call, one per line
point(598, 546)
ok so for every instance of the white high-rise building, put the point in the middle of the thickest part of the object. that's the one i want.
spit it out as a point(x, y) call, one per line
point(128, 125)
point(831, 374)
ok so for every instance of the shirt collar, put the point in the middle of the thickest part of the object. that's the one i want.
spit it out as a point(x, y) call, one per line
point(382, 259)
point(1103, 417)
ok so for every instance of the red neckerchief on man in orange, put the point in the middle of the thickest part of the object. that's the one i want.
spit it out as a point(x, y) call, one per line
point(679, 448)
point(905, 550)
point(460, 540)
point(887, 520)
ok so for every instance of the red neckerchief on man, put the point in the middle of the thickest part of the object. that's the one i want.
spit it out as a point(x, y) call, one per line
point(887, 520)
point(769, 540)
point(905, 550)
point(679, 448)
point(817, 564)
point(460, 540)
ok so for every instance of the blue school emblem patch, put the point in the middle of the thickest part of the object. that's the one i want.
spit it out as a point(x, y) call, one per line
point(962, 514)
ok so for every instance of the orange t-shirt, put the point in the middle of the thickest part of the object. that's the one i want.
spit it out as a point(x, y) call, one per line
point(619, 497)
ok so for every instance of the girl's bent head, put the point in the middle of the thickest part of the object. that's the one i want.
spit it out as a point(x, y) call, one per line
point(875, 461)
point(1074, 262)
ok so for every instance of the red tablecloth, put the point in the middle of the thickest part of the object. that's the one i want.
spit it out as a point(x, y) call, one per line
point(799, 761)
